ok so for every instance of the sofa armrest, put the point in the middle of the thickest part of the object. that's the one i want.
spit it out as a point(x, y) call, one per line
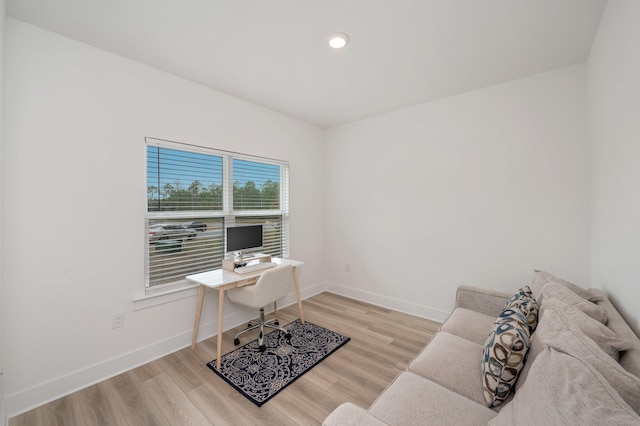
point(485, 301)
point(351, 414)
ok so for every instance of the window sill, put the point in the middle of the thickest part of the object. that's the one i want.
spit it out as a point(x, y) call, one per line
point(159, 296)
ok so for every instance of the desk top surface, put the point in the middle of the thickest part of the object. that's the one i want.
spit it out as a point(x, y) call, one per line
point(219, 277)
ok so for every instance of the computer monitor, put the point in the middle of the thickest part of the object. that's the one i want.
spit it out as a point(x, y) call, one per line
point(240, 238)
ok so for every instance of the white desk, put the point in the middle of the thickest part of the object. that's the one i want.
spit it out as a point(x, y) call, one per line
point(223, 280)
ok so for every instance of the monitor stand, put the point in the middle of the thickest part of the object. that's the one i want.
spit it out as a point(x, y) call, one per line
point(230, 264)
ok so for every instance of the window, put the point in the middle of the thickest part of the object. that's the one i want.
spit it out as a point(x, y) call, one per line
point(194, 193)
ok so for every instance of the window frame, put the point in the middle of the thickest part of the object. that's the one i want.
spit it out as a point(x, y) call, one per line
point(227, 213)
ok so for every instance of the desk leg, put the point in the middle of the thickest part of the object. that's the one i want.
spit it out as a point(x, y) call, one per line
point(219, 345)
point(198, 313)
point(296, 284)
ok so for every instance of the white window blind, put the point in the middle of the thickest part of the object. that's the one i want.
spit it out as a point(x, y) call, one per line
point(194, 193)
point(256, 186)
point(183, 181)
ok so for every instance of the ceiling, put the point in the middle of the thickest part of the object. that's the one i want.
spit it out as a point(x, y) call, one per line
point(274, 52)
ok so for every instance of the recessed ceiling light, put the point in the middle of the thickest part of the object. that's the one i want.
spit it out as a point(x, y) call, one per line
point(338, 40)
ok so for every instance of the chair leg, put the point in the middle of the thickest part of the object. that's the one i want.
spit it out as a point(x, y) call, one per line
point(236, 340)
point(261, 344)
point(261, 324)
point(287, 335)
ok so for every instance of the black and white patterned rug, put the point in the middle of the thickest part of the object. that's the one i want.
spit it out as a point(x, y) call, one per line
point(259, 376)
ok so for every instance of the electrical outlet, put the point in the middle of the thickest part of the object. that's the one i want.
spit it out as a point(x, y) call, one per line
point(117, 320)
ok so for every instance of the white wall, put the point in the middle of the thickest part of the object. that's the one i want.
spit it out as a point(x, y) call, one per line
point(474, 189)
point(614, 100)
point(2, 321)
point(76, 119)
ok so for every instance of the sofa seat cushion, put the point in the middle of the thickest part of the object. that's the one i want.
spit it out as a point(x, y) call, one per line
point(452, 362)
point(351, 414)
point(563, 390)
point(468, 324)
point(414, 400)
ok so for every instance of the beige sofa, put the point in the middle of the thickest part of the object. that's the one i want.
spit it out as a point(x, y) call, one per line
point(577, 370)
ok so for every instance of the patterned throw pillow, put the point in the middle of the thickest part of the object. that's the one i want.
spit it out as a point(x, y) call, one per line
point(504, 355)
point(524, 302)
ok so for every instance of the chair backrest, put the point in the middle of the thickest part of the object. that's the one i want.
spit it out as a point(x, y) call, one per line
point(273, 284)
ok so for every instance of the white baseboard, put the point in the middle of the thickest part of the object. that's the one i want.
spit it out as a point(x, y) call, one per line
point(4, 421)
point(43, 393)
point(389, 302)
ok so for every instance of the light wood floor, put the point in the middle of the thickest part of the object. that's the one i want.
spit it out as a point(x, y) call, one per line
point(179, 389)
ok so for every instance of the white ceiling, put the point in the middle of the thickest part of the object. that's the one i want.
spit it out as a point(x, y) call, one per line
point(274, 52)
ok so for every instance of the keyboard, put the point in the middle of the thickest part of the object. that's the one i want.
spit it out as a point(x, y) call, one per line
point(254, 267)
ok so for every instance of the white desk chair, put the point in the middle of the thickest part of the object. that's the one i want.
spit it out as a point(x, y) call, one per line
point(273, 284)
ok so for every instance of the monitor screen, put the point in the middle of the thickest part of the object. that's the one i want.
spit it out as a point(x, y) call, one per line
point(244, 237)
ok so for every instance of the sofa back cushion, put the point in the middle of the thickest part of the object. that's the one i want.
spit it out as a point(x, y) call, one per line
point(563, 336)
point(542, 278)
point(558, 291)
point(563, 390)
point(629, 359)
point(604, 337)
